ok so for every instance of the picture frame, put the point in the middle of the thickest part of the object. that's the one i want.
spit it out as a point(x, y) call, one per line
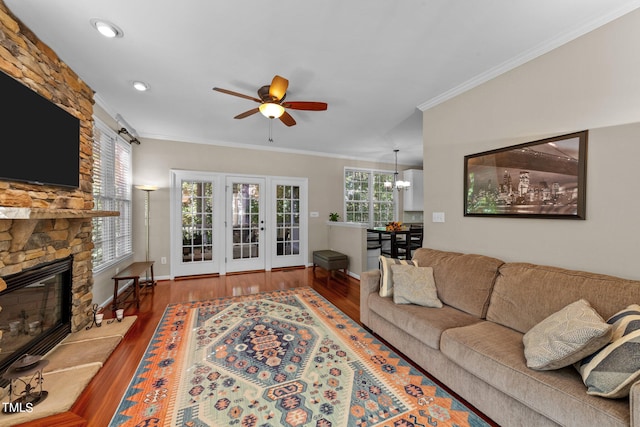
point(539, 179)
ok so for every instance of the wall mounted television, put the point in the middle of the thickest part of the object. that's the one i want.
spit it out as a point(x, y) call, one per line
point(40, 141)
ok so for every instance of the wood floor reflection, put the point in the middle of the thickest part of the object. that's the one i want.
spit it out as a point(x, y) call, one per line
point(100, 399)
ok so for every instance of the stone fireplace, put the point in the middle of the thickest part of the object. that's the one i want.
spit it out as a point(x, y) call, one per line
point(42, 224)
point(39, 247)
point(27, 243)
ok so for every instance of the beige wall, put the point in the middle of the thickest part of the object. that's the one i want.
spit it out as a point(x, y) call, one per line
point(153, 159)
point(591, 83)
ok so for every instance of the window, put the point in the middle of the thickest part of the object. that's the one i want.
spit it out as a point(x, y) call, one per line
point(366, 198)
point(111, 192)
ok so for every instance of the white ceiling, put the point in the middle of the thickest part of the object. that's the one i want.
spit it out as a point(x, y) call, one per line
point(377, 63)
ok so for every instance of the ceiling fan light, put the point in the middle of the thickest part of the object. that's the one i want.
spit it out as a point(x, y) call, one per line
point(271, 110)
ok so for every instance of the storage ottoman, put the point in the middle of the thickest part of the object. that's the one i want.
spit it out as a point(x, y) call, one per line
point(330, 261)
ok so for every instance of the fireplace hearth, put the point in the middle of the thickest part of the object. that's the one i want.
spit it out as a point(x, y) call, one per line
point(35, 311)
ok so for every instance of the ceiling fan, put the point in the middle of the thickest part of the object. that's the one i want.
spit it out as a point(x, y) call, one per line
point(272, 103)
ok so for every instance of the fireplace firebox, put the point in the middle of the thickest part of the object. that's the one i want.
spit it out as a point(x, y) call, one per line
point(35, 311)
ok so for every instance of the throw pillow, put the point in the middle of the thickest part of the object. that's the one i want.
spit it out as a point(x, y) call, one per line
point(386, 275)
point(565, 337)
point(612, 371)
point(414, 285)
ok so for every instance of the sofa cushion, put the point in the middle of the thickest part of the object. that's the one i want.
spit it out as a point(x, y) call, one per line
point(414, 285)
point(425, 324)
point(525, 294)
point(495, 354)
point(612, 371)
point(566, 337)
point(386, 275)
point(464, 281)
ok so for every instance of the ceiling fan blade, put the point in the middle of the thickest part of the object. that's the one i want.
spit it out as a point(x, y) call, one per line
point(241, 95)
point(304, 105)
point(247, 113)
point(287, 119)
point(278, 87)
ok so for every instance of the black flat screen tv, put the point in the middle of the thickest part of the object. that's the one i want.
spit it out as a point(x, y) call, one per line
point(40, 141)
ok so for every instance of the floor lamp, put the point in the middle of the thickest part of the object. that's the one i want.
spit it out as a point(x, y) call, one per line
point(147, 190)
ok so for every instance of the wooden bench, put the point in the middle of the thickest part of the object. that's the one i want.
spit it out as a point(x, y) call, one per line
point(132, 294)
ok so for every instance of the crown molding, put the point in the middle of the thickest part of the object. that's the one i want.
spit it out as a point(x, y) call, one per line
point(529, 55)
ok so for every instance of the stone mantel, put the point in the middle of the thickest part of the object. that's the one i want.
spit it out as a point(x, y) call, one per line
point(7, 212)
point(25, 221)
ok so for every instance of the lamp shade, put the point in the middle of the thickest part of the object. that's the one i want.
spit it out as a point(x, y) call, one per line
point(146, 187)
point(271, 110)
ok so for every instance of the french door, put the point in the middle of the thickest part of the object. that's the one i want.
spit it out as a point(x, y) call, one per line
point(289, 213)
point(196, 218)
point(230, 223)
point(245, 240)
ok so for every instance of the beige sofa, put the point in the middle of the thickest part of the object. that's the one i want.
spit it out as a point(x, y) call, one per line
point(474, 343)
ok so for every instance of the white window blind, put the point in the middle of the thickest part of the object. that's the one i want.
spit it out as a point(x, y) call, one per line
point(111, 192)
point(366, 199)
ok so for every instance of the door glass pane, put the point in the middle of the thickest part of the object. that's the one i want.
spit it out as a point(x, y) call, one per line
point(246, 220)
point(197, 221)
point(287, 220)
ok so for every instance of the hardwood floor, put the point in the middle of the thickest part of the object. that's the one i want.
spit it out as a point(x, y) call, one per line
point(98, 402)
point(100, 399)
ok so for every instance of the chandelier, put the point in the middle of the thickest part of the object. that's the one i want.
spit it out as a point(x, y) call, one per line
point(397, 183)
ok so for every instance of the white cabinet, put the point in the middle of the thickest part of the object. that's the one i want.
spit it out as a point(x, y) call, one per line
point(413, 197)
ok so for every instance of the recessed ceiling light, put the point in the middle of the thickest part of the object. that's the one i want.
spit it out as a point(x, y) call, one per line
point(141, 86)
point(106, 28)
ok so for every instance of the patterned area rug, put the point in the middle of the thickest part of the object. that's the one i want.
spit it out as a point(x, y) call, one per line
point(286, 358)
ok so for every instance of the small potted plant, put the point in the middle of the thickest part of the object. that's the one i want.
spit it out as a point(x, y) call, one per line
point(334, 216)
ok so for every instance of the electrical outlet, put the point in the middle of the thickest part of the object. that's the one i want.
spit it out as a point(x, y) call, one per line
point(163, 260)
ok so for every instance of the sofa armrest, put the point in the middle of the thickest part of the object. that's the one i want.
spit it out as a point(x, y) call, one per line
point(369, 283)
point(634, 404)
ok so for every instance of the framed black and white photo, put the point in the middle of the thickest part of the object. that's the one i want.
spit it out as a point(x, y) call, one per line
point(539, 179)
